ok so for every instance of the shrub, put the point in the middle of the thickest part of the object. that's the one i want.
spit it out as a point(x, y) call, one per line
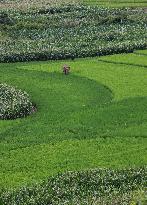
point(5, 19)
point(14, 103)
point(99, 186)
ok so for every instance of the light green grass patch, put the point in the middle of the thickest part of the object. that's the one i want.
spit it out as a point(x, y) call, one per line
point(115, 75)
point(30, 164)
point(129, 59)
point(116, 3)
point(141, 52)
point(94, 117)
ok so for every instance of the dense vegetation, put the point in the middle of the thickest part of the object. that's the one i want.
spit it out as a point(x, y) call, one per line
point(99, 186)
point(14, 103)
point(69, 32)
point(27, 4)
point(94, 117)
point(106, 125)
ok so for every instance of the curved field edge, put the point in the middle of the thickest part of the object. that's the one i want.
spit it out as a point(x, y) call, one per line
point(98, 186)
point(57, 139)
point(113, 71)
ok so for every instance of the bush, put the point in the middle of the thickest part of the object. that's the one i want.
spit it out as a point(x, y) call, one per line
point(14, 103)
point(99, 186)
point(5, 19)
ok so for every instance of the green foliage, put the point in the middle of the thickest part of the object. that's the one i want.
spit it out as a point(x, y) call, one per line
point(94, 117)
point(14, 103)
point(5, 19)
point(27, 4)
point(86, 31)
point(99, 186)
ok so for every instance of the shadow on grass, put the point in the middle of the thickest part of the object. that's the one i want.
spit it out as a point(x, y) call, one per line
point(123, 63)
point(69, 107)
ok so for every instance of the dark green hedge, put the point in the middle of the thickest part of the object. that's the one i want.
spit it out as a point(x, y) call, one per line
point(105, 186)
point(71, 54)
point(71, 32)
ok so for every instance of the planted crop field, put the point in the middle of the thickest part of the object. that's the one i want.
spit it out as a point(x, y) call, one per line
point(26, 4)
point(73, 102)
point(94, 117)
point(61, 32)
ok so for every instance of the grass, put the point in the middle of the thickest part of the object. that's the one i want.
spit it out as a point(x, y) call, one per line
point(128, 59)
point(116, 3)
point(95, 117)
point(43, 3)
point(141, 52)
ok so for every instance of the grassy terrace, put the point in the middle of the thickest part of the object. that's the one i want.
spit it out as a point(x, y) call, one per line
point(95, 117)
point(116, 3)
point(92, 122)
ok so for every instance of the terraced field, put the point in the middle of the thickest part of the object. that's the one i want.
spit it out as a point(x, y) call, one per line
point(25, 4)
point(95, 117)
point(116, 3)
point(82, 137)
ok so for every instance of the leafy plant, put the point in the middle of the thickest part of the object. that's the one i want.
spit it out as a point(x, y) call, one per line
point(5, 19)
point(99, 186)
point(14, 103)
point(72, 31)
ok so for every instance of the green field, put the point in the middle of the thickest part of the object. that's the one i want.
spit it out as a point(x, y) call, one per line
point(77, 139)
point(117, 3)
point(95, 117)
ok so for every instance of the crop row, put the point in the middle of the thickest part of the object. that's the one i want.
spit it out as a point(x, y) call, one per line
point(97, 185)
point(69, 32)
